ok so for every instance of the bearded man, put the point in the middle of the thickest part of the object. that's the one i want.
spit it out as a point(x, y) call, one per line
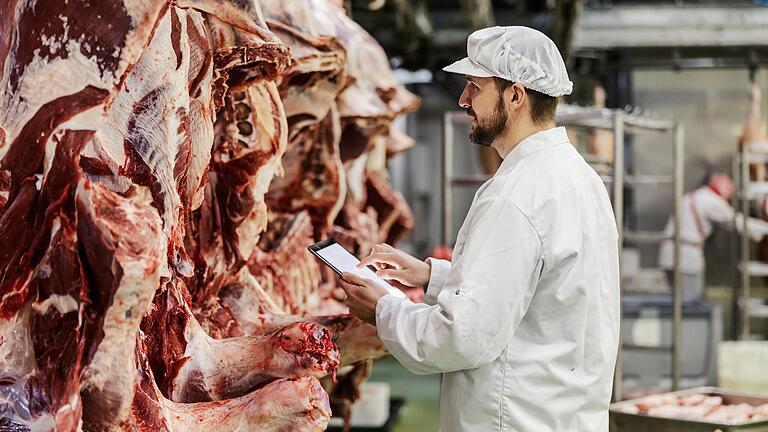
point(524, 322)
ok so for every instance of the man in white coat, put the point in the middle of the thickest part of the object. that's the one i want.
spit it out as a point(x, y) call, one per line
point(702, 209)
point(524, 323)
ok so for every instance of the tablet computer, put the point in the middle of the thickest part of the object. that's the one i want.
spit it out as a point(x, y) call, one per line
point(341, 260)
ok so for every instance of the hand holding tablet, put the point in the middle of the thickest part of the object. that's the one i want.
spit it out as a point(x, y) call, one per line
point(341, 260)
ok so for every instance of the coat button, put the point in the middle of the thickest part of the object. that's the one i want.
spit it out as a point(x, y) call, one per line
point(457, 292)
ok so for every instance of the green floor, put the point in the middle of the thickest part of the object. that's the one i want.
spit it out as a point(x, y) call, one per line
point(421, 394)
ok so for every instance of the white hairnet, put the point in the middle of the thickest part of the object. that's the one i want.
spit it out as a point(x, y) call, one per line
point(518, 54)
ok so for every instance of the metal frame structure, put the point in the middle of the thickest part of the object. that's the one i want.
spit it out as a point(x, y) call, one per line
point(620, 122)
point(748, 191)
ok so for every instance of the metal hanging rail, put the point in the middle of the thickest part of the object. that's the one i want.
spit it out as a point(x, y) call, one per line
point(620, 122)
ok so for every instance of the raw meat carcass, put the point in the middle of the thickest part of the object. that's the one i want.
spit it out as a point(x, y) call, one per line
point(366, 106)
point(245, 157)
point(193, 367)
point(393, 214)
point(158, 132)
point(93, 265)
point(282, 405)
point(163, 167)
point(124, 257)
point(250, 138)
point(314, 177)
point(314, 156)
point(358, 341)
point(286, 272)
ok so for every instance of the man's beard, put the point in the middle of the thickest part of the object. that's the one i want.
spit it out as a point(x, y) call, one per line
point(485, 133)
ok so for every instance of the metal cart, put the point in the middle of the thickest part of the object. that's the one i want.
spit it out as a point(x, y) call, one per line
point(620, 122)
point(622, 421)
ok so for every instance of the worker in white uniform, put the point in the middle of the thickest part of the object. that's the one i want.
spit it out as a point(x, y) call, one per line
point(524, 322)
point(700, 211)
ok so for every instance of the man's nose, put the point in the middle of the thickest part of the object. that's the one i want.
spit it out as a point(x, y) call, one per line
point(464, 99)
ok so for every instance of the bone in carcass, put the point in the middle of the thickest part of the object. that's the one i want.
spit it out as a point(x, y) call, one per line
point(193, 367)
point(283, 405)
point(366, 107)
point(250, 138)
point(246, 156)
point(358, 341)
point(314, 179)
point(365, 120)
point(373, 98)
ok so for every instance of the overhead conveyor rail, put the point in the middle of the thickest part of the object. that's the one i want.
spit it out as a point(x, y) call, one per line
point(620, 122)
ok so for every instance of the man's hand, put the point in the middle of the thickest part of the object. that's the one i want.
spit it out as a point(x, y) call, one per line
point(362, 296)
point(398, 266)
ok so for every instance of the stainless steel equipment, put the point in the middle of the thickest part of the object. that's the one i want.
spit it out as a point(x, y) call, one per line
point(749, 192)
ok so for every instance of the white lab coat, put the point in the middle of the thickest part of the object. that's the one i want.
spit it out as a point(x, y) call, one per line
point(524, 324)
point(710, 209)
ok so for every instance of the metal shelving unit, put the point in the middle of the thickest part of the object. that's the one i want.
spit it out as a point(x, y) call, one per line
point(748, 191)
point(620, 122)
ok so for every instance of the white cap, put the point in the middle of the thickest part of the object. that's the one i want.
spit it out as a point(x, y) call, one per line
point(518, 54)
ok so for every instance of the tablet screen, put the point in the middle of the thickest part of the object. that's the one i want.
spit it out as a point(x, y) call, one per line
point(343, 261)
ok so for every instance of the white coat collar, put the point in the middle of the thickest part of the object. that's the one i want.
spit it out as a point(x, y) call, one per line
point(538, 141)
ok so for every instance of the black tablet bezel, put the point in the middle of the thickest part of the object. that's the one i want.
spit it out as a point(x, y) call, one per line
point(313, 249)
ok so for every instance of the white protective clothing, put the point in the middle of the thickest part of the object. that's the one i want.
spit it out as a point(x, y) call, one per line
point(517, 54)
point(524, 323)
point(700, 210)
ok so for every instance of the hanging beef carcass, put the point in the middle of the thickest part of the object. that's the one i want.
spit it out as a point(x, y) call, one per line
point(93, 263)
point(367, 108)
point(367, 104)
point(139, 150)
point(105, 227)
point(53, 78)
point(314, 178)
point(57, 70)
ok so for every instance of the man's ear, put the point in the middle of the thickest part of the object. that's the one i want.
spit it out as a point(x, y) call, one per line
point(515, 95)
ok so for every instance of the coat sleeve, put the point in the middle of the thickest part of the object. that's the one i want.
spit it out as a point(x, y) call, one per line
point(720, 211)
point(439, 270)
point(485, 296)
